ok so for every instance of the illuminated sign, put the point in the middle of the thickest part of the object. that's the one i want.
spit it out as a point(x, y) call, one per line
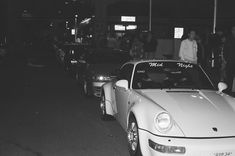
point(119, 27)
point(86, 21)
point(128, 18)
point(131, 27)
point(178, 33)
point(73, 31)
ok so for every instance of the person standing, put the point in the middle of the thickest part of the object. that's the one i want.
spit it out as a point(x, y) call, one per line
point(215, 46)
point(201, 51)
point(150, 46)
point(112, 41)
point(125, 43)
point(188, 48)
point(229, 56)
point(136, 50)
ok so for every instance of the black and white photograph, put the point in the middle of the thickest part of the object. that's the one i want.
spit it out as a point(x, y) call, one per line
point(117, 78)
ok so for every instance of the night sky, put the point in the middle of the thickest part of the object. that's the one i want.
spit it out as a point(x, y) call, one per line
point(49, 8)
point(161, 8)
point(175, 8)
point(11, 10)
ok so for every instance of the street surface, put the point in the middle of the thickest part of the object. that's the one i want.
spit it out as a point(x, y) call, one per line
point(43, 113)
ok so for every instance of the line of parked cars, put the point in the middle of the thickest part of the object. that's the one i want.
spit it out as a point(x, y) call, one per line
point(91, 67)
point(166, 107)
point(69, 55)
point(101, 66)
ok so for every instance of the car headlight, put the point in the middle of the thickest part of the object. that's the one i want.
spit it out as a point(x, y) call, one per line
point(101, 78)
point(163, 122)
point(73, 61)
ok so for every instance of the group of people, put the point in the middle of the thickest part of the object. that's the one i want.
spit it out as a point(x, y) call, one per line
point(143, 46)
point(140, 45)
point(218, 55)
point(221, 54)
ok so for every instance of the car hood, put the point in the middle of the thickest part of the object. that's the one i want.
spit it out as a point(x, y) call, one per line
point(197, 113)
point(103, 69)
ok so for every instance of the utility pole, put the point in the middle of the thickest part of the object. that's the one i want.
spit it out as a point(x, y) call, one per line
point(75, 27)
point(66, 25)
point(214, 30)
point(215, 16)
point(150, 15)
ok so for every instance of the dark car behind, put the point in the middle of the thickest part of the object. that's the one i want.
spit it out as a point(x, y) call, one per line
point(100, 67)
point(3, 48)
point(73, 53)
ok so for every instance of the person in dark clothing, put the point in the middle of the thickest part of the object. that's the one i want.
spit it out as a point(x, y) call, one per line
point(217, 47)
point(229, 56)
point(136, 50)
point(200, 52)
point(125, 43)
point(214, 49)
point(150, 46)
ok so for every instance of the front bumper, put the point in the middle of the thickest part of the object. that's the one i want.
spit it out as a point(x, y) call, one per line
point(193, 147)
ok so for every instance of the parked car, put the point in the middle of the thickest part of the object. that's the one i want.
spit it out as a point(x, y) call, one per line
point(59, 52)
point(3, 49)
point(99, 67)
point(170, 108)
point(73, 53)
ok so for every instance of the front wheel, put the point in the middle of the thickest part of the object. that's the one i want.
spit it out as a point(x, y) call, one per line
point(77, 78)
point(104, 115)
point(133, 138)
point(85, 89)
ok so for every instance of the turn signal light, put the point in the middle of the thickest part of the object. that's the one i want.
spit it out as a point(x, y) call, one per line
point(167, 149)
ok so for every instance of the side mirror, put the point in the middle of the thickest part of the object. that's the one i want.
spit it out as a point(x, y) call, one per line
point(122, 84)
point(222, 86)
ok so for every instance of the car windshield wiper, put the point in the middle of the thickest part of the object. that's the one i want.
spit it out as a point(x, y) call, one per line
point(196, 88)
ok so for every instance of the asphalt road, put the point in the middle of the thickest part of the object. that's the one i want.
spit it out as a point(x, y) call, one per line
point(42, 113)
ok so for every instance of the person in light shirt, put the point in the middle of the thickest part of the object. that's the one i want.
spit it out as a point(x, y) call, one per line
point(188, 48)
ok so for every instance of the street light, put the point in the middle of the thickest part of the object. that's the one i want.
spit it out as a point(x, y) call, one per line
point(215, 15)
point(75, 25)
point(66, 24)
point(150, 15)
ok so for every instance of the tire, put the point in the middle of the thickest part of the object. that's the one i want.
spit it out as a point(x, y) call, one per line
point(85, 89)
point(66, 67)
point(133, 137)
point(104, 115)
point(77, 76)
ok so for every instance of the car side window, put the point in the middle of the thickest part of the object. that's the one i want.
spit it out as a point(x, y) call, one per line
point(126, 72)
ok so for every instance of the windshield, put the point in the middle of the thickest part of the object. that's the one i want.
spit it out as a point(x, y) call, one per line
point(108, 58)
point(171, 75)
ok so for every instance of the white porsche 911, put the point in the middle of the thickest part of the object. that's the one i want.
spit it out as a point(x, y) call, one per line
point(171, 108)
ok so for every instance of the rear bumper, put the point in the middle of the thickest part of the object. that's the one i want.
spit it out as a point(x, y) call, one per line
point(193, 147)
point(96, 88)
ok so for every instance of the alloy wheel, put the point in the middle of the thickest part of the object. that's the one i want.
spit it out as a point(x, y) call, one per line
point(132, 136)
point(77, 76)
point(85, 87)
point(102, 105)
